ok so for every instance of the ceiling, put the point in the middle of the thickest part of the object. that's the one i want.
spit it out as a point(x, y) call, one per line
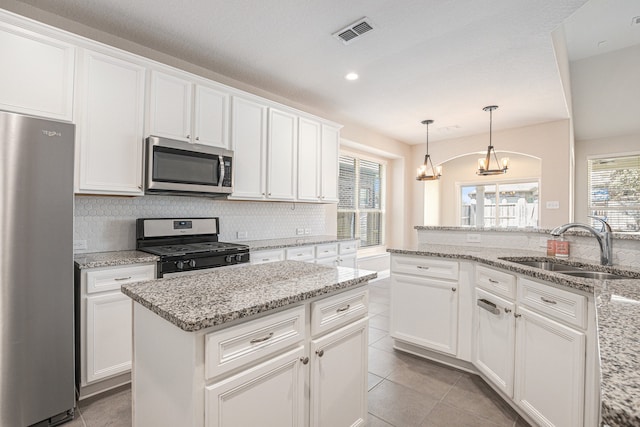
point(436, 59)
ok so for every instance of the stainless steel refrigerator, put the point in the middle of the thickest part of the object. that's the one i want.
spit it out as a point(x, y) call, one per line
point(36, 271)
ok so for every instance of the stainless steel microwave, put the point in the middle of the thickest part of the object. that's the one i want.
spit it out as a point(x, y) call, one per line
point(181, 168)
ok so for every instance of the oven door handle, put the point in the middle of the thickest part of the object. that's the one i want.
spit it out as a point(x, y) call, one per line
point(220, 170)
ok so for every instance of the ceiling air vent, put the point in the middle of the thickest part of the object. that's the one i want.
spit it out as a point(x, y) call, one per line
point(354, 31)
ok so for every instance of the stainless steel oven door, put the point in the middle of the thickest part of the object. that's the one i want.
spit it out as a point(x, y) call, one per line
point(179, 167)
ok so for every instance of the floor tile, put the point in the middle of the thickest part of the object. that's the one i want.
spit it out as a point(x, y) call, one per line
point(520, 422)
point(399, 405)
point(427, 378)
point(112, 412)
point(374, 380)
point(473, 395)
point(374, 421)
point(376, 335)
point(444, 415)
point(382, 363)
point(377, 308)
point(379, 321)
point(77, 421)
point(385, 343)
point(379, 299)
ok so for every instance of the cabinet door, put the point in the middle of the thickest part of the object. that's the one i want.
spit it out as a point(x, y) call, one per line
point(308, 160)
point(339, 377)
point(108, 335)
point(548, 352)
point(111, 124)
point(36, 76)
point(211, 117)
point(281, 155)
point(170, 107)
point(249, 145)
point(329, 163)
point(494, 339)
point(350, 260)
point(271, 393)
point(424, 311)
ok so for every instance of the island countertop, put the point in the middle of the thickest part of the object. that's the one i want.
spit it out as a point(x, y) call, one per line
point(199, 301)
point(618, 319)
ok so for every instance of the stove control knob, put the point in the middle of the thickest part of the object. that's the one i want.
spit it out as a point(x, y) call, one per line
point(239, 258)
point(228, 258)
point(180, 265)
point(192, 263)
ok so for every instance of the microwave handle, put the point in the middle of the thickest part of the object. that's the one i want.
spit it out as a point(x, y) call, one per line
point(221, 169)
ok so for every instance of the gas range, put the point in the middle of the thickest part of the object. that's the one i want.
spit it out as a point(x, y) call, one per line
point(187, 245)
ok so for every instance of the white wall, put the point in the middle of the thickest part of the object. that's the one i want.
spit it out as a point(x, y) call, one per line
point(549, 142)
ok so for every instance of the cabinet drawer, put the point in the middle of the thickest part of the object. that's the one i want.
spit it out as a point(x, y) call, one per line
point(326, 250)
point(336, 311)
point(108, 279)
point(423, 266)
point(239, 345)
point(498, 282)
point(348, 247)
point(562, 305)
point(260, 257)
point(301, 253)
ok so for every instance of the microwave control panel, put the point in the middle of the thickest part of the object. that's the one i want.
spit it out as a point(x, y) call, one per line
point(226, 182)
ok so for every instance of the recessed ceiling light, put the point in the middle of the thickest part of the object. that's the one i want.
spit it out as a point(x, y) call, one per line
point(351, 76)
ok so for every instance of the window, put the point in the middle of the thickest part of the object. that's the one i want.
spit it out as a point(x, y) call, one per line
point(499, 204)
point(614, 192)
point(361, 208)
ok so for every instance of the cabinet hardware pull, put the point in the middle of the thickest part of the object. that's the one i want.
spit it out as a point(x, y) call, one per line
point(516, 315)
point(493, 281)
point(423, 268)
point(139, 187)
point(197, 138)
point(320, 353)
point(119, 279)
point(263, 339)
point(507, 310)
point(269, 194)
point(325, 252)
point(265, 259)
point(453, 289)
point(548, 301)
point(299, 255)
point(488, 305)
point(188, 136)
point(304, 360)
point(340, 310)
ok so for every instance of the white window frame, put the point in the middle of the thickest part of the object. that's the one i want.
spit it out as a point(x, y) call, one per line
point(383, 196)
point(497, 183)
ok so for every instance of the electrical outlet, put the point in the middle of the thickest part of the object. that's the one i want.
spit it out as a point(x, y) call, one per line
point(79, 245)
point(553, 204)
point(473, 238)
point(242, 235)
point(299, 231)
point(307, 231)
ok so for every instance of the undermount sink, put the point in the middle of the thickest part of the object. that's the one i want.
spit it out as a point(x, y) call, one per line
point(549, 266)
point(567, 269)
point(593, 275)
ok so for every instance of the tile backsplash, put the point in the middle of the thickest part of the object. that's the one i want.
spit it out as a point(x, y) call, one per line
point(108, 223)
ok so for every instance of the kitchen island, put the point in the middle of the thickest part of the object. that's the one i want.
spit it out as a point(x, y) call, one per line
point(273, 344)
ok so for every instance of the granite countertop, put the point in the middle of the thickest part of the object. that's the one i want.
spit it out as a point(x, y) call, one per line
point(618, 320)
point(110, 259)
point(572, 232)
point(199, 301)
point(257, 245)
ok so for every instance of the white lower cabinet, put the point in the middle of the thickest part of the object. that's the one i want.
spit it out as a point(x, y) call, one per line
point(338, 389)
point(105, 325)
point(271, 393)
point(342, 254)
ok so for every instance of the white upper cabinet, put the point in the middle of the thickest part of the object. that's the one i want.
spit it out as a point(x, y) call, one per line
point(281, 155)
point(183, 110)
point(249, 144)
point(37, 72)
point(330, 150)
point(110, 125)
point(309, 159)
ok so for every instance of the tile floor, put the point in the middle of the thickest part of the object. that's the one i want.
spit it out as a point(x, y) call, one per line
point(403, 390)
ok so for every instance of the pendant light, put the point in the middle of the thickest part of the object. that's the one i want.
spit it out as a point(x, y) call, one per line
point(427, 172)
point(484, 165)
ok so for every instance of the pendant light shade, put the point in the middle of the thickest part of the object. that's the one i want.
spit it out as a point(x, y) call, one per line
point(427, 172)
point(484, 164)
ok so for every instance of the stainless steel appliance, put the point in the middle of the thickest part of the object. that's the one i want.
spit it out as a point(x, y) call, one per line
point(36, 271)
point(187, 245)
point(177, 167)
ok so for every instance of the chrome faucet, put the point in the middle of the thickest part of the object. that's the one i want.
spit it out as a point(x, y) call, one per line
point(603, 237)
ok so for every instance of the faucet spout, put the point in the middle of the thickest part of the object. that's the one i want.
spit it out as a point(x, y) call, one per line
point(604, 238)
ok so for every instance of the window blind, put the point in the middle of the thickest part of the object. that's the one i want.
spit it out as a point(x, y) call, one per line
point(614, 191)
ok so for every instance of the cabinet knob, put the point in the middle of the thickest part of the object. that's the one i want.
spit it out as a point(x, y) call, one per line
point(139, 187)
point(304, 360)
point(453, 289)
point(269, 194)
point(320, 353)
point(516, 315)
point(188, 136)
point(507, 310)
point(197, 138)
